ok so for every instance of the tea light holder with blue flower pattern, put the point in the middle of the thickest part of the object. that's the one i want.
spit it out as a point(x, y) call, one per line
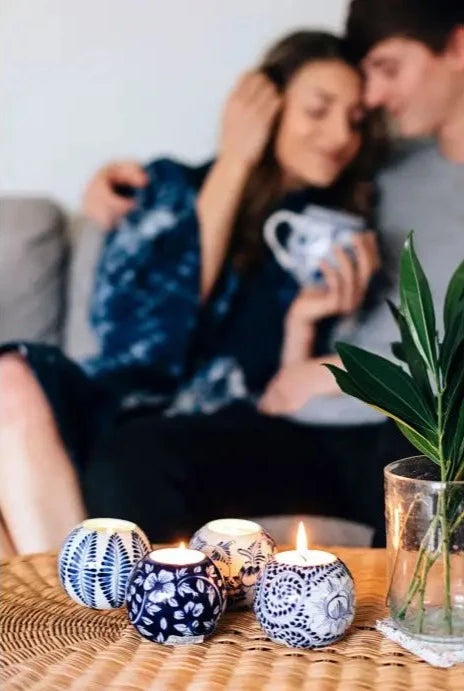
point(305, 598)
point(175, 596)
point(240, 549)
point(96, 559)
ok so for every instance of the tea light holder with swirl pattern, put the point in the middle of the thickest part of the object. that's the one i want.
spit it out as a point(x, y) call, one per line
point(305, 598)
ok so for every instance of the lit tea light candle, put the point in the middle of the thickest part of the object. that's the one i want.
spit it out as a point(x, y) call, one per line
point(175, 596)
point(305, 598)
point(240, 549)
point(96, 559)
point(303, 556)
point(180, 556)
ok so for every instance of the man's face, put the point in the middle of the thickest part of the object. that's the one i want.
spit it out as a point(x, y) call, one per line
point(416, 86)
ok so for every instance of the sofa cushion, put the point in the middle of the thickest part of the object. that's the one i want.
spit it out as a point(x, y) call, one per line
point(33, 252)
point(321, 530)
point(86, 243)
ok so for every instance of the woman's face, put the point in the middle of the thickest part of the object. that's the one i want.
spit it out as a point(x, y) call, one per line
point(319, 131)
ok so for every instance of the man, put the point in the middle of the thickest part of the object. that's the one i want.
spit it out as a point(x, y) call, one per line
point(412, 55)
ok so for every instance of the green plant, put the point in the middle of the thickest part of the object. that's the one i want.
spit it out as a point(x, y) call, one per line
point(424, 395)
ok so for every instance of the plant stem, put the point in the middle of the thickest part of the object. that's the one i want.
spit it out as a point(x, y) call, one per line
point(442, 511)
point(415, 580)
point(456, 523)
point(460, 472)
point(446, 562)
point(429, 562)
point(400, 538)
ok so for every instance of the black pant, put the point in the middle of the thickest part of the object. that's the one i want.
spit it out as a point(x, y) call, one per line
point(171, 475)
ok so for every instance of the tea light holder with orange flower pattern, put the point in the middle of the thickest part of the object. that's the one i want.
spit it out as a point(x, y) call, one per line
point(240, 549)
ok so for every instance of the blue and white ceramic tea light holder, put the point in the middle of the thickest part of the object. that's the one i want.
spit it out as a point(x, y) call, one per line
point(302, 598)
point(240, 549)
point(96, 559)
point(175, 596)
point(305, 598)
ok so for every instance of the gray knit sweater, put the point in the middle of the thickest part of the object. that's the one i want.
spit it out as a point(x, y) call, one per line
point(419, 190)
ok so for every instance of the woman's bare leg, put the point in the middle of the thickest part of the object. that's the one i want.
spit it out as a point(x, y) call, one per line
point(7, 548)
point(40, 499)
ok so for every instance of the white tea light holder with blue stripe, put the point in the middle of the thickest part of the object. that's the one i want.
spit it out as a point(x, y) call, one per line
point(97, 558)
point(305, 598)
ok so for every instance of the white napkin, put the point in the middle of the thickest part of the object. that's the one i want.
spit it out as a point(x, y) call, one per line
point(436, 654)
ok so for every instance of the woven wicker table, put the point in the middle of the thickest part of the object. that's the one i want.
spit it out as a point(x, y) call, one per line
point(48, 643)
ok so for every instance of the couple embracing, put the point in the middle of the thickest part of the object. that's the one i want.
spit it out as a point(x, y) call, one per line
point(208, 394)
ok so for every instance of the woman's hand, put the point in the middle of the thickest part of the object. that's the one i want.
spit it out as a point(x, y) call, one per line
point(343, 292)
point(345, 285)
point(295, 384)
point(247, 120)
point(101, 203)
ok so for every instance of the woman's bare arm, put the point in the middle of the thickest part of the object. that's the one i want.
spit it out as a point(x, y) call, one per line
point(248, 116)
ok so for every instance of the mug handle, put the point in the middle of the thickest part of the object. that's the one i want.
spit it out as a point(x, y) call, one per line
point(270, 235)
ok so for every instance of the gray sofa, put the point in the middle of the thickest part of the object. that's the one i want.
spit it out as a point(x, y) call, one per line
point(47, 264)
point(46, 271)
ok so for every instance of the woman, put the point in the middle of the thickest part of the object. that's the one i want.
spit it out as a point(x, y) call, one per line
point(195, 316)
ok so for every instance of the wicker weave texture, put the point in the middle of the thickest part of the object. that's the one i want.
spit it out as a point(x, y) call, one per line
point(48, 643)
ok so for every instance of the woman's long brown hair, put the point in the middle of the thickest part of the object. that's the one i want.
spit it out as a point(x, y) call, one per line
point(351, 192)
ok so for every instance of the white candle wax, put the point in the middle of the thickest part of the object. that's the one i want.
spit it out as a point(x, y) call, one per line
point(233, 526)
point(109, 525)
point(179, 556)
point(310, 557)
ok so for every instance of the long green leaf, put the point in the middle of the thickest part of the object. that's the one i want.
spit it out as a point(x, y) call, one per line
point(387, 385)
point(453, 339)
point(453, 407)
point(423, 444)
point(396, 347)
point(398, 351)
point(456, 453)
point(453, 404)
point(420, 442)
point(346, 383)
point(454, 295)
point(417, 304)
point(394, 310)
point(412, 357)
point(454, 392)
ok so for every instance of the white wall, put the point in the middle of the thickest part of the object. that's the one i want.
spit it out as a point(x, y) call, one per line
point(84, 81)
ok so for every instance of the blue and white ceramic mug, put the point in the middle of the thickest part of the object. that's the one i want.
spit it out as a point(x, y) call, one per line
point(240, 549)
point(311, 237)
point(97, 558)
point(304, 605)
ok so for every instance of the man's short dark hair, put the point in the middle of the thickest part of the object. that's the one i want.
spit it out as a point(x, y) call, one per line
point(429, 21)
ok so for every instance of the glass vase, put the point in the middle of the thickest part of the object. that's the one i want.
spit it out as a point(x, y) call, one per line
point(425, 547)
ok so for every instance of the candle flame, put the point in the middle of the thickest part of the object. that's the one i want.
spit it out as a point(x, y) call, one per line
point(301, 539)
point(181, 545)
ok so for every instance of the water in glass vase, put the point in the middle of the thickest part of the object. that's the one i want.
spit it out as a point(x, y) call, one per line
point(425, 541)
